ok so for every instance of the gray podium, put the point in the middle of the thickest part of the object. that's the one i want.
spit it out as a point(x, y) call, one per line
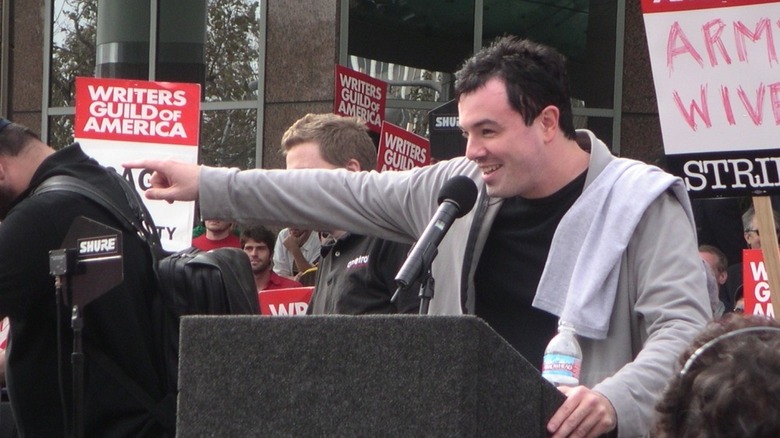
point(347, 376)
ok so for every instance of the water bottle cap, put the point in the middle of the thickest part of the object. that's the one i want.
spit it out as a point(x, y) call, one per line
point(565, 325)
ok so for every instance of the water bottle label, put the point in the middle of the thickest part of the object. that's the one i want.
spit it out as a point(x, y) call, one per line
point(561, 365)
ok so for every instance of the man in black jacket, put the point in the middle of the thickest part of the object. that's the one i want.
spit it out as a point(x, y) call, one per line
point(357, 273)
point(119, 324)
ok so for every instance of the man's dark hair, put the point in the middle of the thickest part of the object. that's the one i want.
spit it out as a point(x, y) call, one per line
point(534, 74)
point(258, 233)
point(728, 388)
point(14, 137)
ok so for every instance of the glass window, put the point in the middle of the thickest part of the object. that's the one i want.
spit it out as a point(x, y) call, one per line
point(405, 85)
point(72, 48)
point(228, 137)
point(583, 30)
point(61, 131)
point(436, 36)
point(232, 50)
point(415, 46)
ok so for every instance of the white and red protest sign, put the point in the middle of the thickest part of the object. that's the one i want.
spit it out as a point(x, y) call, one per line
point(292, 301)
point(360, 95)
point(120, 120)
point(716, 74)
point(400, 149)
point(755, 284)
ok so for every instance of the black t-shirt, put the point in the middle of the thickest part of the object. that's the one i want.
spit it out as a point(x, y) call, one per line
point(511, 265)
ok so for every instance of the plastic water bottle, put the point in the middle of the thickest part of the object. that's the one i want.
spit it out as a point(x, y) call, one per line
point(562, 357)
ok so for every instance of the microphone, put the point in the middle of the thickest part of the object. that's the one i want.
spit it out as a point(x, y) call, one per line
point(456, 198)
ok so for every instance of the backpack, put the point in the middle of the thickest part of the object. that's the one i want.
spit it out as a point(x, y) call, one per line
point(190, 282)
point(193, 282)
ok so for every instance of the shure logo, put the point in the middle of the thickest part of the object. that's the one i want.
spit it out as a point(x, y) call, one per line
point(446, 122)
point(98, 245)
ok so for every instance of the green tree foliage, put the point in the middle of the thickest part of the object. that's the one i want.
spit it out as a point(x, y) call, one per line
point(72, 55)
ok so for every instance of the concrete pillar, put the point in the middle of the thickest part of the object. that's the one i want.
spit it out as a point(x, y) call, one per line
point(123, 40)
point(181, 41)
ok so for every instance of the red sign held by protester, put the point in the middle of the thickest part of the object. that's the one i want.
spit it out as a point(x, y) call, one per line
point(121, 120)
point(292, 301)
point(400, 149)
point(755, 284)
point(122, 110)
point(359, 95)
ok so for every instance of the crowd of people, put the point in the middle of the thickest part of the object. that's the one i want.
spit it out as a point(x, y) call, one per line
point(562, 230)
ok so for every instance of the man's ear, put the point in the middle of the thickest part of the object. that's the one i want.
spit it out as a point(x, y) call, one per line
point(549, 118)
point(353, 165)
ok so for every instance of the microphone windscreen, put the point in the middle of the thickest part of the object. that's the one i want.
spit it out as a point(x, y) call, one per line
point(460, 190)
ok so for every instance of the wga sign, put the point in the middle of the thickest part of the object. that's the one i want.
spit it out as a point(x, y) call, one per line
point(292, 301)
point(288, 309)
point(755, 289)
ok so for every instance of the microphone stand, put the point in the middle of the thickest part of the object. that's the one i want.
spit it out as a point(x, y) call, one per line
point(63, 265)
point(103, 252)
point(77, 360)
point(426, 282)
point(426, 291)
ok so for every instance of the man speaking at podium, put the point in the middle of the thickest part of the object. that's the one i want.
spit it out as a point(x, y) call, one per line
point(117, 324)
point(561, 229)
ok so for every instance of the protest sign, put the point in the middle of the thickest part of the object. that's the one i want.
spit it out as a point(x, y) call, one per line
point(120, 120)
point(400, 149)
point(755, 284)
point(765, 221)
point(285, 302)
point(715, 67)
point(359, 95)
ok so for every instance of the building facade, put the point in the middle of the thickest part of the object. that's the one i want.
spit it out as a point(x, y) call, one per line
point(266, 63)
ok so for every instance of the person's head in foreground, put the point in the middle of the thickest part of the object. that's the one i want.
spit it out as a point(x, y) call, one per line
point(729, 383)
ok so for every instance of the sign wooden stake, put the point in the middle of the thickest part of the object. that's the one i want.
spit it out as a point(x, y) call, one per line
point(766, 228)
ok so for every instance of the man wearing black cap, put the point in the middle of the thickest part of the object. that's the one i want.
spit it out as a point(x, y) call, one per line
point(117, 325)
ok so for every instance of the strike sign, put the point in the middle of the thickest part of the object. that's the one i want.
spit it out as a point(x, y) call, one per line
point(715, 69)
point(400, 149)
point(359, 95)
point(293, 301)
point(120, 120)
point(755, 284)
